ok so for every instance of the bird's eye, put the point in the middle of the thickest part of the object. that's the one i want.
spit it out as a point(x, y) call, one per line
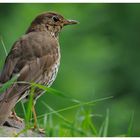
point(55, 18)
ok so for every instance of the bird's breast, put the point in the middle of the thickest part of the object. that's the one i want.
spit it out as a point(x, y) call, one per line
point(51, 71)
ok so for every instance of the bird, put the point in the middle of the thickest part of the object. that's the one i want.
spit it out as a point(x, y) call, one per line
point(34, 57)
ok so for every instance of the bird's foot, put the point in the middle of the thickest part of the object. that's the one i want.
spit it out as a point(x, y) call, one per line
point(40, 130)
point(14, 116)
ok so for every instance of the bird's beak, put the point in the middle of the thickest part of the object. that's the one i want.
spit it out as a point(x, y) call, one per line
point(70, 22)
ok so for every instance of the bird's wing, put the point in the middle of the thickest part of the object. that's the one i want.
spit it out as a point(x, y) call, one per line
point(33, 54)
point(9, 65)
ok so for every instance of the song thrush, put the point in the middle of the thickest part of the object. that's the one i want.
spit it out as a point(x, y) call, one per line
point(35, 57)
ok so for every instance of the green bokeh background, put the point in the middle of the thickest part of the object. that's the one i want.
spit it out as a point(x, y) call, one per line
point(100, 57)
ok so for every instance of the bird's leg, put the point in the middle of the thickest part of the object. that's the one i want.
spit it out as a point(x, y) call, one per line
point(35, 121)
point(14, 116)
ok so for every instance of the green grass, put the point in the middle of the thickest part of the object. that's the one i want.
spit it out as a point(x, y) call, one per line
point(83, 123)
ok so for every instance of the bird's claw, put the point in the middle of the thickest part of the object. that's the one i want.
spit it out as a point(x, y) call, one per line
point(14, 116)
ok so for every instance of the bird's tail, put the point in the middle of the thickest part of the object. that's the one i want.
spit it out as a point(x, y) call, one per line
point(8, 101)
point(5, 109)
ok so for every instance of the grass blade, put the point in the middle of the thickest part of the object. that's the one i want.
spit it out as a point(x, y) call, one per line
point(105, 131)
point(56, 112)
point(4, 47)
point(93, 128)
point(78, 105)
point(24, 110)
point(129, 132)
point(54, 91)
point(29, 107)
point(9, 83)
point(101, 130)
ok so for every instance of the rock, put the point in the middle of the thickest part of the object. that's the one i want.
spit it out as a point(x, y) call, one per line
point(14, 128)
point(11, 122)
point(6, 131)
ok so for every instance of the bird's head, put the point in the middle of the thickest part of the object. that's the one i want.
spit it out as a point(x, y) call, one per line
point(50, 21)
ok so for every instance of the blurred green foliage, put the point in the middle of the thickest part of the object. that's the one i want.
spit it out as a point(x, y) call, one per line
point(100, 57)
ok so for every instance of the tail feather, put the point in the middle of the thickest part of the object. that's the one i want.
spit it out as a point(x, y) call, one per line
point(5, 109)
point(8, 101)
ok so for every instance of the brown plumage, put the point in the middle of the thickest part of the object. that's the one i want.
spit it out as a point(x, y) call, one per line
point(35, 57)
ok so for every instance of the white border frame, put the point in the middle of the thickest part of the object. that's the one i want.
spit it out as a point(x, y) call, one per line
point(70, 1)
